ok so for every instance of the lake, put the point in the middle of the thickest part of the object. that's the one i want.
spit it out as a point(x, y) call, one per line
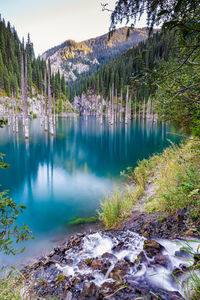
point(64, 177)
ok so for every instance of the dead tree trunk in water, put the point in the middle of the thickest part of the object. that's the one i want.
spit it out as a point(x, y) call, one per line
point(54, 110)
point(16, 117)
point(50, 103)
point(41, 110)
point(45, 99)
point(129, 110)
point(126, 113)
point(22, 84)
point(112, 109)
point(13, 113)
point(26, 125)
point(120, 111)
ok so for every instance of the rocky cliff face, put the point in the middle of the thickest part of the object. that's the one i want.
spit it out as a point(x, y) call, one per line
point(74, 58)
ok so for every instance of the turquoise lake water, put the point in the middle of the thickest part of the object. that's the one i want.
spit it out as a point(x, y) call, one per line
point(64, 177)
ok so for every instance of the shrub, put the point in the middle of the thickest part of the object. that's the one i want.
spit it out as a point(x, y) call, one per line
point(178, 180)
point(11, 286)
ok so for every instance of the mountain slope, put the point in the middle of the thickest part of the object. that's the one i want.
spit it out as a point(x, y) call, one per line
point(119, 71)
point(74, 58)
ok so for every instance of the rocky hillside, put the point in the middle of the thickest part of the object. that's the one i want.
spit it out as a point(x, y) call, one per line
point(74, 58)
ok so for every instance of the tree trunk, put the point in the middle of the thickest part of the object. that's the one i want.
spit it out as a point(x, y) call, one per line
point(45, 99)
point(54, 110)
point(51, 129)
point(112, 109)
point(26, 125)
point(126, 113)
point(120, 112)
point(16, 116)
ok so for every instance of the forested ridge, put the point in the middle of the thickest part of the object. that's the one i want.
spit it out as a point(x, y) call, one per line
point(146, 55)
point(150, 248)
point(77, 58)
point(11, 49)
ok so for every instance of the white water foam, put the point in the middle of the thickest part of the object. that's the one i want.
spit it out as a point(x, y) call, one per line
point(127, 246)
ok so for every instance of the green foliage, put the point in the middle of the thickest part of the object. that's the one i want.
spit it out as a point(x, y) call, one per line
point(11, 49)
point(119, 205)
point(157, 12)
point(178, 180)
point(120, 70)
point(191, 283)
point(177, 80)
point(60, 278)
point(83, 221)
point(11, 286)
point(88, 261)
point(176, 177)
point(10, 234)
point(178, 93)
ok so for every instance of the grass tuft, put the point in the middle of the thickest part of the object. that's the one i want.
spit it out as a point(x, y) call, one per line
point(176, 177)
point(11, 287)
point(177, 180)
point(80, 221)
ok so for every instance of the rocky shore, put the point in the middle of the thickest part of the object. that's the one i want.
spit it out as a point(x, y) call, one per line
point(141, 260)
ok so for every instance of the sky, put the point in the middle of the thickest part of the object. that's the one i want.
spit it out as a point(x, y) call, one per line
point(51, 22)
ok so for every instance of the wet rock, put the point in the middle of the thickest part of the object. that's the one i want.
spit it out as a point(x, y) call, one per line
point(96, 264)
point(49, 261)
point(177, 272)
point(118, 272)
point(68, 296)
point(154, 225)
point(182, 253)
point(77, 280)
point(152, 248)
point(108, 287)
point(109, 256)
point(68, 261)
point(90, 290)
point(123, 280)
point(175, 296)
point(141, 258)
point(119, 246)
point(51, 253)
point(162, 260)
point(196, 258)
point(105, 267)
point(82, 266)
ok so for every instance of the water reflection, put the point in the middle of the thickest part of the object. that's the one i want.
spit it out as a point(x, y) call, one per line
point(64, 176)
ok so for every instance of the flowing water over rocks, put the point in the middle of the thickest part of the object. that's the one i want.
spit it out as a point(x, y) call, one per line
point(113, 264)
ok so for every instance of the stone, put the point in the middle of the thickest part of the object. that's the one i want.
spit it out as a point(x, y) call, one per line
point(68, 261)
point(196, 258)
point(96, 264)
point(117, 273)
point(181, 253)
point(141, 258)
point(152, 248)
point(109, 256)
point(90, 290)
point(162, 260)
point(68, 296)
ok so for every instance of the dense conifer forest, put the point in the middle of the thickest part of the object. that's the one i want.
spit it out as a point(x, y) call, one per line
point(11, 49)
point(145, 56)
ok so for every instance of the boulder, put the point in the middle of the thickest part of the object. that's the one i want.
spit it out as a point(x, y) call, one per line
point(90, 290)
point(152, 248)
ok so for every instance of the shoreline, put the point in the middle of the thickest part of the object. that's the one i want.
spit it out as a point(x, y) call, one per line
point(97, 272)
